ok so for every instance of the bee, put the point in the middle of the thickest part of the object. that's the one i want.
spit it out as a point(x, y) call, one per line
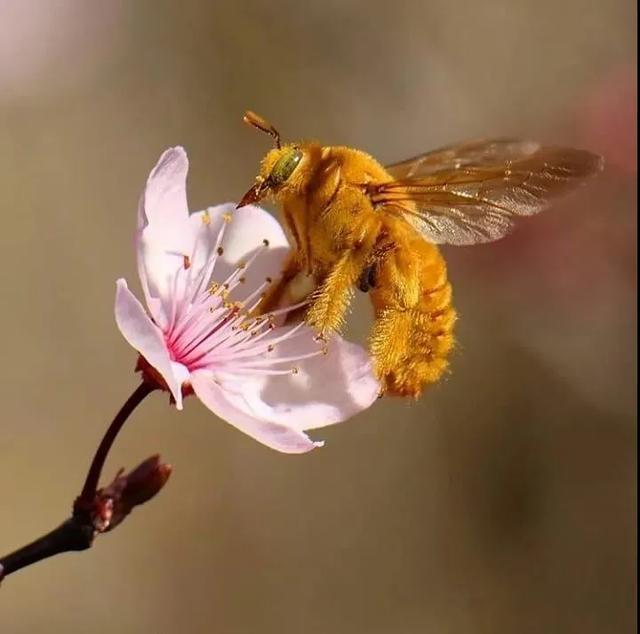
point(357, 224)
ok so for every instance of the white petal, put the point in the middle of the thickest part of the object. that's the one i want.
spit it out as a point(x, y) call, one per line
point(164, 235)
point(273, 435)
point(326, 389)
point(141, 333)
point(163, 207)
point(249, 227)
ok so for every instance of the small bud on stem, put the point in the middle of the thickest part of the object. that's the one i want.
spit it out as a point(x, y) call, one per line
point(97, 511)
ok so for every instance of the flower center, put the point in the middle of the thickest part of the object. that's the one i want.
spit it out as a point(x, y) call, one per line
point(208, 329)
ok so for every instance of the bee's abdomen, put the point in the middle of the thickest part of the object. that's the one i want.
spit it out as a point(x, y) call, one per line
point(413, 334)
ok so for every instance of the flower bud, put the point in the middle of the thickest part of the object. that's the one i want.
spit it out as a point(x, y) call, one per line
point(115, 501)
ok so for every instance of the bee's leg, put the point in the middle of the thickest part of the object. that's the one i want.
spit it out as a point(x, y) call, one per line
point(367, 279)
point(369, 276)
point(332, 298)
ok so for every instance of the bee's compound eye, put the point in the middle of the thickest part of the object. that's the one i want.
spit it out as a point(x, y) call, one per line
point(285, 165)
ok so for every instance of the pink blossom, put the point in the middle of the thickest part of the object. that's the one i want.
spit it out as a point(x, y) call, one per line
point(202, 275)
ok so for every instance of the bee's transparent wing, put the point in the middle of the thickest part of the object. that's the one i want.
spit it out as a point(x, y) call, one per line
point(473, 192)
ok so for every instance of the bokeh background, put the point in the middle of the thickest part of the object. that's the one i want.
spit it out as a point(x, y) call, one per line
point(503, 501)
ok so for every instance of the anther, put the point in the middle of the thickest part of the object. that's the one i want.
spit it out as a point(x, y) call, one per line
point(220, 250)
point(206, 218)
point(294, 370)
point(186, 262)
point(226, 218)
point(270, 348)
point(242, 280)
point(268, 280)
point(265, 242)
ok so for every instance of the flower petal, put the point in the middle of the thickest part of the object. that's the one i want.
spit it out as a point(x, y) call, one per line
point(324, 390)
point(164, 234)
point(247, 230)
point(141, 333)
point(273, 435)
point(249, 226)
point(163, 207)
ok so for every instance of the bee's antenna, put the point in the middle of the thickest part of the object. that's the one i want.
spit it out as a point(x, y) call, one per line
point(251, 118)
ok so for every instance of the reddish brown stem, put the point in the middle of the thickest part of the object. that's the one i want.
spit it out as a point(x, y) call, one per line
point(95, 470)
point(96, 511)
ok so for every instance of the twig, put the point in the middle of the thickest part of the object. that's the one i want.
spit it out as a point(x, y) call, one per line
point(97, 511)
point(93, 475)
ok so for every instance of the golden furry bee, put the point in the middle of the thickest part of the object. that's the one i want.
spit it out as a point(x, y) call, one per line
point(355, 223)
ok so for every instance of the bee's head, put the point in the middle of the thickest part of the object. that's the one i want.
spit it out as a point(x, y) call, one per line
point(277, 167)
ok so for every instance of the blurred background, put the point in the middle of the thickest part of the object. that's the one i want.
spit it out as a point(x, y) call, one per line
point(503, 501)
